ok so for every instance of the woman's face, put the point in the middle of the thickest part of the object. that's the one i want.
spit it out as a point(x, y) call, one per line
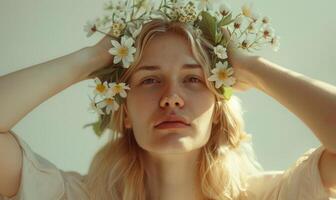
point(169, 87)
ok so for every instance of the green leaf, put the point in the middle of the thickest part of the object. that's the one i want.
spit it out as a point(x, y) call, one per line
point(226, 20)
point(228, 91)
point(218, 38)
point(95, 127)
point(208, 26)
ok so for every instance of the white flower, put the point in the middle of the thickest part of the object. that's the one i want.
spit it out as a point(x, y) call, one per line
point(265, 20)
point(93, 107)
point(222, 75)
point(110, 104)
point(198, 32)
point(145, 6)
point(224, 9)
point(238, 22)
point(135, 29)
point(246, 44)
point(89, 28)
point(220, 51)
point(100, 88)
point(249, 12)
point(123, 51)
point(252, 27)
point(275, 43)
point(267, 31)
point(119, 7)
point(118, 88)
point(206, 4)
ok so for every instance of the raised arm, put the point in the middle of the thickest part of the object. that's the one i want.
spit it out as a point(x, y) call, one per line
point(23, 90)
point(313, 101)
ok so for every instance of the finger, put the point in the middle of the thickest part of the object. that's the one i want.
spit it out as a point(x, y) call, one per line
point(233, 43)
point(225, 32)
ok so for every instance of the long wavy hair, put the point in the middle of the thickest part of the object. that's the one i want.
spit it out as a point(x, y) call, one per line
point(226, 160)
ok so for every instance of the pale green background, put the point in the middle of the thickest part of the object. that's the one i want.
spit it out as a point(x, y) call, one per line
point(35, 31)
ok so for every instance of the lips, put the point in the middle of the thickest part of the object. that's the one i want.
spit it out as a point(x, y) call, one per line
point(171, 125)
point(171, 119)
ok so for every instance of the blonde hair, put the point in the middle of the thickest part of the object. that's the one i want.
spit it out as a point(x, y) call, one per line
point(117, 170)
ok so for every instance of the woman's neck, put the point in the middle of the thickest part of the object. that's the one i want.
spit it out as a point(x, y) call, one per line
point(173, 176)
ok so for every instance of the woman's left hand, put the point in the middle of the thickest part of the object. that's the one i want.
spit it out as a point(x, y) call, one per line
point(241, 62)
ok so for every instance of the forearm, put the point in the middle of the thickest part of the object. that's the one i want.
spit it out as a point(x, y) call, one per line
point(313, 101)
point(21, 91)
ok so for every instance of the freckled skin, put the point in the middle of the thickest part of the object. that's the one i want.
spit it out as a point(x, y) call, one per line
point(144, 102)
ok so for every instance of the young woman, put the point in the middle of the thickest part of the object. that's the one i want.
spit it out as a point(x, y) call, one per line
point(177, 138)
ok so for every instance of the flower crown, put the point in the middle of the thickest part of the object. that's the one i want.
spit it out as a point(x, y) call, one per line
point(125, 18)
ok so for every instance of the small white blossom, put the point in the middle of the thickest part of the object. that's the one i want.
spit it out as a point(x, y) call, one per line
point(267, 31)
point(252, 28)
point(124, 51)
point(265, 20)
point(245, 44)
point(224, 9)
point(93, 108)
point(145, 6)
point(118, 89)
point(220, 51)
point(90, 28)
point(248, 11)
point(100, 88)
point(238, 22)
point(110, 104)
point(134, 29)
point(275, 43)
point(222, 75)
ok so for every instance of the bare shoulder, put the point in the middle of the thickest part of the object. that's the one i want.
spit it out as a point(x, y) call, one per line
point(10, 164)
point(327, 166)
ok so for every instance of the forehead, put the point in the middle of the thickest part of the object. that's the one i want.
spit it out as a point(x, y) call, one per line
point(167, 49)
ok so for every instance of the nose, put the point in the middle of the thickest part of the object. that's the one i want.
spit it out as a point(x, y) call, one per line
point(172, 101)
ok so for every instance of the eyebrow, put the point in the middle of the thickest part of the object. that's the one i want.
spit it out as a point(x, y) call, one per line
point(155, 68)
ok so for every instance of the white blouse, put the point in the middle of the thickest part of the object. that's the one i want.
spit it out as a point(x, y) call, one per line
point(42, 180)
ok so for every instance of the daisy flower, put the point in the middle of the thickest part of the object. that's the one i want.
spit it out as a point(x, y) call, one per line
point(265, 20)
point(224, 9)
point(90, 28)
point(246, 44)
point(124, 51)
point(118, 88)
point(252, 28)
point(110, 104)
point(100, 88)
point(222, 75)
point(238, 22)
point(220, 51)
point(93, 107)
point(249, 12)
point(275, 43)
point(267, 31)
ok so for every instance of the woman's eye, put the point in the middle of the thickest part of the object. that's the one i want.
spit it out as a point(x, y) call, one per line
point(146, 81)
point(152, 80)
point(195, 80)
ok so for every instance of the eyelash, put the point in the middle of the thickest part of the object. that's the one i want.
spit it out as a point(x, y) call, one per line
point(142, 83)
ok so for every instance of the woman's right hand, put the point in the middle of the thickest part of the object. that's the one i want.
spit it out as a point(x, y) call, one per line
point(99, 53)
